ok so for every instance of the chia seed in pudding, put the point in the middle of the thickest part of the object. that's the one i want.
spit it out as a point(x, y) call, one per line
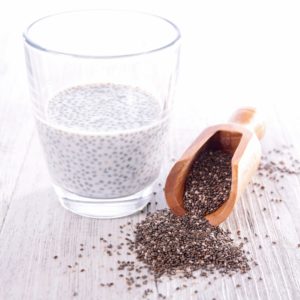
point(103, 140)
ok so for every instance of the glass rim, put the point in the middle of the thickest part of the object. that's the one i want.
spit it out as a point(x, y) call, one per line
point(32, 43)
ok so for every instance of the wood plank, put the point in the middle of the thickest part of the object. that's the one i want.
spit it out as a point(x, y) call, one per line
point(16, 122)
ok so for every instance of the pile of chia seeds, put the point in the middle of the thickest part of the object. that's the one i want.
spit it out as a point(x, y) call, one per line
point(208, 183)
point(167, 243)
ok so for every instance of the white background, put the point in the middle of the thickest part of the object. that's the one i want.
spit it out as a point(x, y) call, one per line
point(233, 52)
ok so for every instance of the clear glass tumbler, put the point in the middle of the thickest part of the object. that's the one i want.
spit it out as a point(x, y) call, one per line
point(102, 85)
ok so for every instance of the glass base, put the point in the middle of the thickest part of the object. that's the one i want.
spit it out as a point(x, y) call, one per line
point(104, 208)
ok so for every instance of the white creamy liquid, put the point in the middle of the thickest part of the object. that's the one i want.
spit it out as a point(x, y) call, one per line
point(103, 140)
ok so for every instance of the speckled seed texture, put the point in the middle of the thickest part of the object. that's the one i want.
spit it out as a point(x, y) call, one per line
point(103, 140)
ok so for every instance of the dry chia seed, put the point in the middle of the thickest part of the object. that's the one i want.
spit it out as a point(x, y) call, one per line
point(208, 183)
point(167, 243)
point(274, 168)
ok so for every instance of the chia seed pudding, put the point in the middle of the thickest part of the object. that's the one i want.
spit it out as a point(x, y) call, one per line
point(103, 140)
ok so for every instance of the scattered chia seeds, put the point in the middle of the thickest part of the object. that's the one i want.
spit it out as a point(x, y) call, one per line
point(274, 168)
point(165, 244)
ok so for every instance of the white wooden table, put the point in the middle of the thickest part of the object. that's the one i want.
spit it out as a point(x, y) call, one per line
point(34, 227)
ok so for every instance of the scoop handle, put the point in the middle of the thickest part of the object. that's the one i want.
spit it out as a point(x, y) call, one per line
point(251, 119)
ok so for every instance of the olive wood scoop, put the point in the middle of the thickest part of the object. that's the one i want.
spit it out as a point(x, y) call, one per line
point(239, 137)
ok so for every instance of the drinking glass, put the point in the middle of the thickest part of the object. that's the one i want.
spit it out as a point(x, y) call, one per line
point(102, 86)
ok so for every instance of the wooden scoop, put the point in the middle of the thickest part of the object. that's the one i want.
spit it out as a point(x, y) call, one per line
point(240, 137)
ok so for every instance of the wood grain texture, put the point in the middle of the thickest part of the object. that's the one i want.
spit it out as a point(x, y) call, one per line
point(16, 124)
